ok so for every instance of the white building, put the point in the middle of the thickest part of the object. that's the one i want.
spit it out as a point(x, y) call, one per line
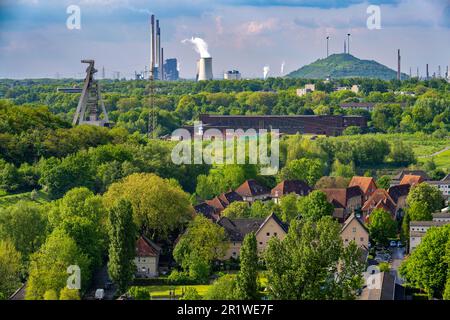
point(418, 229)
point(307, 89)
point(147, 258)
point(443, 185)
point(232, 75)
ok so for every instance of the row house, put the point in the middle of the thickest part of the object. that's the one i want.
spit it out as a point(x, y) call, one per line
point(265, 229)
point(345, 201)
point(298, 187)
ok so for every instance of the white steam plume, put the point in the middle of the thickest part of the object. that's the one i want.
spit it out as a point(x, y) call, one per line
point(282, 67)
point(266, 71)
point(200, 46)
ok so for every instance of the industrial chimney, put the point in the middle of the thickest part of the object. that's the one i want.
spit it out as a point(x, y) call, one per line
point(152, 49)
point(204, 69)
point(398, 65)
point(428, 74)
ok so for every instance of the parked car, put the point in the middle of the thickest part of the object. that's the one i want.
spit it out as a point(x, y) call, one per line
point(393, 243)
point(99, 294)
point(399, 244)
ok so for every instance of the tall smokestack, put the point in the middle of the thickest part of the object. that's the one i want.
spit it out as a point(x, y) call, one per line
point(152, 47)
point(158, 47)
point(162, 64)
point(427, 74)
point(398, 65)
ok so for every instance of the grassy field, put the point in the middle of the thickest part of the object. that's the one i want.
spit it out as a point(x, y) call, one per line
point(422, 144)
point(442, 160)
point(162, 292)
point(8, 200)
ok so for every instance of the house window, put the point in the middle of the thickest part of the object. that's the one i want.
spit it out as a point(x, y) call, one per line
point(354, 230)
point(346, 240)
point(268, 233)
point(234, 253)
point(260, 243)
point(361, 239)
point(275, 234)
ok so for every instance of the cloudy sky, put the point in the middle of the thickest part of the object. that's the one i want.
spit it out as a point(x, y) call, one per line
point(242, 34)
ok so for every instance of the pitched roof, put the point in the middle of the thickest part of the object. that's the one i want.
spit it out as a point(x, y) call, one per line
point(291, 186)
point(216, 203)
point(423, 174)
point(411, 179)
point(362, 182)
point(340, 196)
point(446, 178)
point(237, 229)
point(387, 290)
point(146, 248)
point(229, 197)
point(398, 191)
point(206, 210)
point(251, 188)
point(350, 219)
point(337, 197)
point(380, 199)
point(441, 215)
point(428, 223)
point(273, 216)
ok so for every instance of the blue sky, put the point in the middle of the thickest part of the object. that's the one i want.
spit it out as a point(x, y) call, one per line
point(241, 34)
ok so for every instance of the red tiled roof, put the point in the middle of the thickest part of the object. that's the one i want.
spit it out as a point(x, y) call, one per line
point(146, 248)
point(362, 182)
point(251, 188)
point(411, 179)
point(291, 186)
point(340, 196)
point(379, 198)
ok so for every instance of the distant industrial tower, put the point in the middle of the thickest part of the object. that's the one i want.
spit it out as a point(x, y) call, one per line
point(204, 69)
point(90, 100)
point(427, 73)
point(171, 70)
point(399, 74)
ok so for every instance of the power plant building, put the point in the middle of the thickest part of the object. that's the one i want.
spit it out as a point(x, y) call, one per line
point(329, 125)
point(232, 75)
point(171, 70)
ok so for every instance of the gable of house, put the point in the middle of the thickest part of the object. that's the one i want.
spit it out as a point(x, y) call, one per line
point(411, 179)
point(367, 185)
point(251, 188)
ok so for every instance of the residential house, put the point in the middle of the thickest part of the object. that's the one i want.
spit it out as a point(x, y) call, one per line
point(411, 179)
point(207, 210)
point(380, 199)
point(265, 229)
point(383, 286)
point(418, 229)
point(213, 208)
point(344, 200)
point(399, 193)
point(285, 187)
point(147, 258)
point(252, 191)
point(399, 176)
point(355, 230)
point(443, 186)
point(441, 216)
point(367, 185)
